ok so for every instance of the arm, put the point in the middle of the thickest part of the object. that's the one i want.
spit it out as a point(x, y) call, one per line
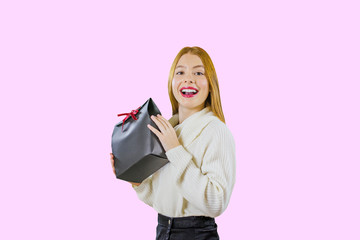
point(209, 186)
point(144, 191)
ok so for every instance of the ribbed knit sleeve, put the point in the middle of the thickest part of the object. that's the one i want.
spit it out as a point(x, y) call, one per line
point(145, 191)
point(210, 185)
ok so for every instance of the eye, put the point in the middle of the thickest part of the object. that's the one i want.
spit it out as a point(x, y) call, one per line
point(199, 72)
point(178, 72)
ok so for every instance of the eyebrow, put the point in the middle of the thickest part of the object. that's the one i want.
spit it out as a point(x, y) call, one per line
point(193, 67)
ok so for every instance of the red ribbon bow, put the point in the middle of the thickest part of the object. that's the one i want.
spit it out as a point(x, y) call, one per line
point(132, 114)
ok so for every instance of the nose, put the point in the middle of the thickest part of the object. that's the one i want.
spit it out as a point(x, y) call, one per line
point(189, 78)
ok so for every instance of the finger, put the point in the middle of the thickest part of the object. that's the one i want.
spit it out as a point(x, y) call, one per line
point(155, 131)
point(133, 183)
point(113, 166)
point(158, 123)
point(162, 122)
point(165, 121)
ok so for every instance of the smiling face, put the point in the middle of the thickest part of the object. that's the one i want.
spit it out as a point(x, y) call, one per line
point(189, 85)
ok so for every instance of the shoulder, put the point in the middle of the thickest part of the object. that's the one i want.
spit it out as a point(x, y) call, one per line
point(218, 140)
point(216, 125)
point(217, 130)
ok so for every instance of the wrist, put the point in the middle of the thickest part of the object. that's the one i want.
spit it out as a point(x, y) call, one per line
point(173, 147)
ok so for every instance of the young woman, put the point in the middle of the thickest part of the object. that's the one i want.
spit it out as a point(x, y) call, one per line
point(196, 185)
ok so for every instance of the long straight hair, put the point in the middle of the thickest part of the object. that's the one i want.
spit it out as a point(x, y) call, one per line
point(213, 100)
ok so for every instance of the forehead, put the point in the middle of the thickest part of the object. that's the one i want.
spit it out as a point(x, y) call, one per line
point(189, 59)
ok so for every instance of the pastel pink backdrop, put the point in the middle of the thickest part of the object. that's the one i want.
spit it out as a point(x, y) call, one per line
point(289, 80)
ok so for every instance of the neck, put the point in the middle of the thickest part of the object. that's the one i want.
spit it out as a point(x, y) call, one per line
point(184, 113)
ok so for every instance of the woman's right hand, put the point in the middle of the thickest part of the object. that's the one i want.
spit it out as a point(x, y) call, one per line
point(113, 167)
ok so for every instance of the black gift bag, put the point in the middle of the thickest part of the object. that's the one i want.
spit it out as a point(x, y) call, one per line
point(137, 151)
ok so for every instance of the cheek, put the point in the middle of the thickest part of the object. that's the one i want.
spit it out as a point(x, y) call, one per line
point(203, 84)
point(175, 85)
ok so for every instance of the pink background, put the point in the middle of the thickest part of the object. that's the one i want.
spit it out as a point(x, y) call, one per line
point(289, 79)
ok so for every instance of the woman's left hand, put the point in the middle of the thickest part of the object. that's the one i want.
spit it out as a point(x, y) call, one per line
point(167, 134)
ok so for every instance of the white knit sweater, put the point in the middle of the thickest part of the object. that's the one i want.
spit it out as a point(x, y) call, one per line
point(200, 175)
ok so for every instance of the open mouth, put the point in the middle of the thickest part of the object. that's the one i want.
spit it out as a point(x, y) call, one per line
point(188, 92)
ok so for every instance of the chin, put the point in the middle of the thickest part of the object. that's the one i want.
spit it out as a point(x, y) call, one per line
point(190, 105)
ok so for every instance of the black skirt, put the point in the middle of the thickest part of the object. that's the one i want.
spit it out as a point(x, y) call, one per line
point(186, 228)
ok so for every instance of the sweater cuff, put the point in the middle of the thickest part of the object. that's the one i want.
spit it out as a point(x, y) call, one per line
point(179, 157)
point(141, 187)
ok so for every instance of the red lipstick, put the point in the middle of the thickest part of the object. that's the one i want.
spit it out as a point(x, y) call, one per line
point(188, 92)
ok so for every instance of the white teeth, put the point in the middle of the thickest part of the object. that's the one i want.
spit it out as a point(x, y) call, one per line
point(189, 90)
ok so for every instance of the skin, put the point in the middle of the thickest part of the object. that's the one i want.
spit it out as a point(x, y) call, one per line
point(187, 74)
